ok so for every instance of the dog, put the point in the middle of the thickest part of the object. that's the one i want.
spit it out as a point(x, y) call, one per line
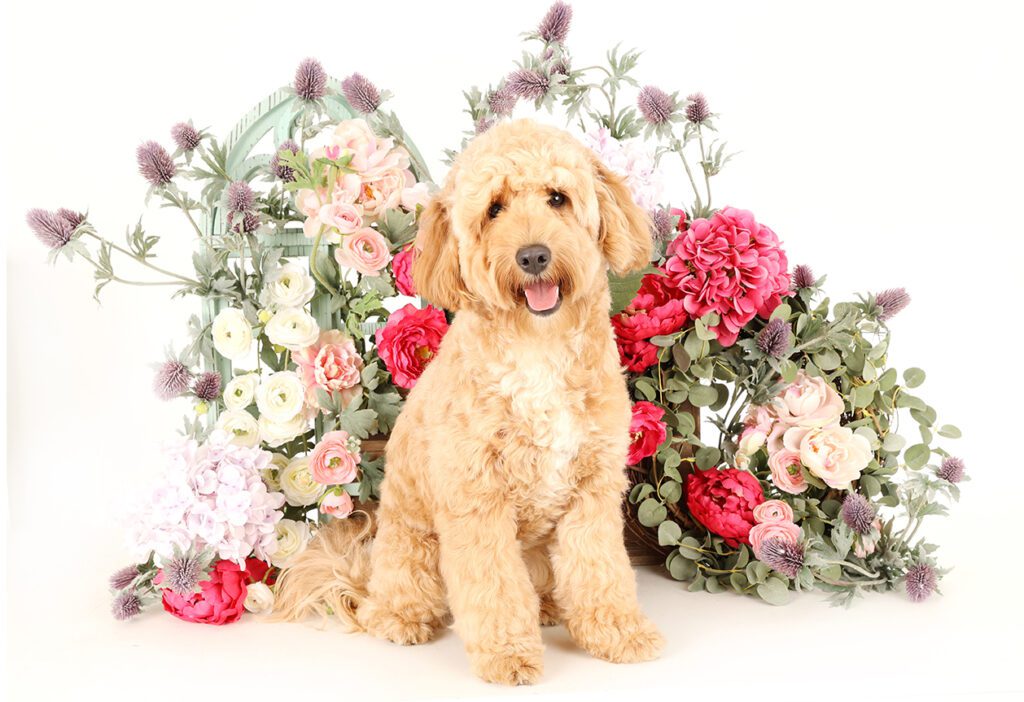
point(501, 503)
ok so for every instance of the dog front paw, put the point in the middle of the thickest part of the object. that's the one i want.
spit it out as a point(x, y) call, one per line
point(550, 614)
point(522, 666)
point(618, 638)
point(395, 627)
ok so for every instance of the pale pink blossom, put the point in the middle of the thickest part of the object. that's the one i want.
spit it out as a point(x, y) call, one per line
point(309, 201)
point(759, 533)
point(835, 454)
point(786, 472)
point(807, 403)
point(337, 504)
point(366, 251)
point(331, 364)
point(415, 196)
point(773, 511)
point(343, 216)
point(335, 460)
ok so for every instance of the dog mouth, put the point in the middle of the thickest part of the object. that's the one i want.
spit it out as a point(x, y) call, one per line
point(543, 297)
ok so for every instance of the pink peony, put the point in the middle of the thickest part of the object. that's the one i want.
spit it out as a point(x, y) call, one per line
point(637, 356)
point(730, 265)
point(331, 364)
point(337, 504)
point(221, 598)
point(807, 403)
point(646, 430)
point(335, 460)
point(656, 310)
point(723, 502)
point(786, 471)
point(365, 250)
point(401, 266)
point(787, 531)
point(773, 511)
point(409, 340)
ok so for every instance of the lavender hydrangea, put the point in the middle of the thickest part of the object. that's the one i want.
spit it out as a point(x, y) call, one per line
point(283, 171)
point(172, 379)
point(207, 386)
point(858, 513)
point(697, 108)
point(310, 80)
point(155, 164)
point(783, 556)
point(891, 302)
point(655, 105)
point(361, 94)
point(502, 101)
point(51, 228)
point(803, 277)
point(239, 196)
point(124, 577)
point(126, 605)
point(920, 582)
point(773, 340)
point(185, 136)
point(527, 84)
point(554, 28)
point(952, 469)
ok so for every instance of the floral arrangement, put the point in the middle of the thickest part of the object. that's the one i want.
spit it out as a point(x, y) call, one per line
point(311, 333)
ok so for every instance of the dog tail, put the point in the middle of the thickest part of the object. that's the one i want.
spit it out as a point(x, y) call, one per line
point(330, 577)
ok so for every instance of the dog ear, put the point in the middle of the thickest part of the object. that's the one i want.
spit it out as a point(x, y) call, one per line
point(625, 230)
point(435, 267)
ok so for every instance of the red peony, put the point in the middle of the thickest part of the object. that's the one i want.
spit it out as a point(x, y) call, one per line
point(221, 598)
point(636, 356)
point(409, 341)
point(656, 309)
point(401, 266)
point(681, 226)
point(731, 265)
point(646, 430)
point(723, 501)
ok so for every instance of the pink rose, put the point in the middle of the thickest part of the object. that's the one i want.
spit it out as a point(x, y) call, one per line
point(366, 251)
point(331, 364)
point(343, 216)
point(773, 511)
point(786, 472)
point(337, 504)
point(401, 267)
point(334, 461)
point(759, 533)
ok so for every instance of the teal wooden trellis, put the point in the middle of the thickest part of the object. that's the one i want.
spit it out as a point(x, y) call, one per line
point(280, 114)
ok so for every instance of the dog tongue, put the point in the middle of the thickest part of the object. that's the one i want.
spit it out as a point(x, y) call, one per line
point(541, 296)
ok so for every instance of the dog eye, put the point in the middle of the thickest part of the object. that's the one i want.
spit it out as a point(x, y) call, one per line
point(494, 209)
point(556, 199)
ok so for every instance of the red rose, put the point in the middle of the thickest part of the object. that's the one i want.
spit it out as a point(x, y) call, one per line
point(221, 598)
point(724, 501)
point(409, 340)
point(637, 356)
point(647, 431)
point(401, 267)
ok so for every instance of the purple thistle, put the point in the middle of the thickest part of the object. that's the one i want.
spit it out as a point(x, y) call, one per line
point(185, 136)
point(50, 228)
point(952, 469)
point(661, 224)
point(803, 277)
point(126, 605)
point(697, 108)
point(240, 197)
point(555, 25)
point(782, 556)
point(207, 386)
point(361, 93)
point(892, 302)
point(172, 380)
point(183, 572)
point(155, 164)
point(502, 101)
point(773, 340)
point(74, 219)
point(482, 125)
point(561, 67)
point(281, 170)
point(244, 223)
point(858, 513)
point(655, 105)
point(124, 577)
point(527, 84)
point(310, 80)
point(920, 582)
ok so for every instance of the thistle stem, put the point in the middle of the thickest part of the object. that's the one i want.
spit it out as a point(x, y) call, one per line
point(143, 261)
point(704, 158)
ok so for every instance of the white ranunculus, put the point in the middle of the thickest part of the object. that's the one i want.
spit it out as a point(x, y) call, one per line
point(298, 485)
point(240, 391)
point(278, 462)
point(835, 454)
point(288, 285)
point(292, 537)
point(259, 598)
point(292, 328)
point(241, 426)
point(280, 396)
point(232, 335)
point(276, 434)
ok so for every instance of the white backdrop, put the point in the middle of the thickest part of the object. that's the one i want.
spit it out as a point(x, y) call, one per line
point(882, 142)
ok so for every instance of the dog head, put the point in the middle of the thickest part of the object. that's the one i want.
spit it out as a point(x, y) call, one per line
point(528, 220)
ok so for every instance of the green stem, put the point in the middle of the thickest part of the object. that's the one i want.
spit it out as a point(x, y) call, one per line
point(704, 157)
point(124, 281)
point(848, 583)
point(143, 261)
point(698, 205)
point(854, 567)
point(312, 261)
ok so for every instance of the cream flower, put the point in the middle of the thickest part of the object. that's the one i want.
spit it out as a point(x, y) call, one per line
point(292, 537)
point(278, 462)
point(274, 433)
point(835, 454)
point(280, 396)
point(807, 403)
point(292, 328)
point(232, 335)
point(298, 485)
point(288, 285)
point(259, 598)
point(241, 426)
point(240, 391)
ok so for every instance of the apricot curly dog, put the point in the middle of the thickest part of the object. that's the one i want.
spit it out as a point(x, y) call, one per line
point(505, 471)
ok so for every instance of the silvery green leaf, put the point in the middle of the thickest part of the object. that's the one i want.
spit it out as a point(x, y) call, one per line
point(774, 591)
point(669, 533)
point(917, 455)
point(651, 512)
point(913, 377)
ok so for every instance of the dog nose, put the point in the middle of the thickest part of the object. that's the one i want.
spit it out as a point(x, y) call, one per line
point(534, 259)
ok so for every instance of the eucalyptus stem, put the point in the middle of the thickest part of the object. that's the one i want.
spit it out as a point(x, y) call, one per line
point(143, 261)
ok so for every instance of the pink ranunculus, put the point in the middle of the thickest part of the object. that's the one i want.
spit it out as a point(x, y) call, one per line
point(729, 264)
point(384, 191)
point(335, 460)
point(365, 250)
point(409, 341)
point(337, 504)
point(401, 267)
point(345, 217)
point(309, 201)
point(786, 471)
point(646, 430)
point(414, 197)
point(773, 511)
point(760, 417)
point(331, 364)
point(759, 533)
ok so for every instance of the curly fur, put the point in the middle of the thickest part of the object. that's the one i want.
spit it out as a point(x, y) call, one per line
point(505, 470)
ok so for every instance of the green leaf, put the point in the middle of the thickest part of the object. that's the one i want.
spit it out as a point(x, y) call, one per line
point(703, 395)
point(913, 377)
point(782, 312)
point(681, 568)
point(827, 360)
point(651, 512)
point(686, 423)
point(949, 431)
point(917, 455)
point(663, 340)
point(669, 533)
point(774, 591)
point(870, 485)
point(680, 357)
point(894, 443)
point(623, 289)
point(708, 457)
point(863, 395)
point(646, 388)
point(671, 491)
